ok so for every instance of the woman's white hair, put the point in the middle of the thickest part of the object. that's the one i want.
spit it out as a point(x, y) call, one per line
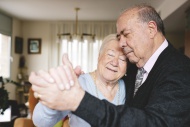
point(107, 40)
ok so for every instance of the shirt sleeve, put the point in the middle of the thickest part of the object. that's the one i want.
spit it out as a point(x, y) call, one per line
point(46, 117)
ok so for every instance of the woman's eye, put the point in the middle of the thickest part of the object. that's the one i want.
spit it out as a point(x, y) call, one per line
point(110, 54)
point(122, 60)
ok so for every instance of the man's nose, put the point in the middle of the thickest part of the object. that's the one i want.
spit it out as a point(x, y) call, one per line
point(122, 41)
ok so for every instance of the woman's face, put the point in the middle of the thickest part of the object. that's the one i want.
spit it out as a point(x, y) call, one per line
point(112, 62)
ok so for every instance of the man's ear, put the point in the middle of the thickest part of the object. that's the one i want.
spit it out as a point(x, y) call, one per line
point(152, 29)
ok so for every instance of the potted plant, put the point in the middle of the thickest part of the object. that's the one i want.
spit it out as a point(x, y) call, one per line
point(4, 93)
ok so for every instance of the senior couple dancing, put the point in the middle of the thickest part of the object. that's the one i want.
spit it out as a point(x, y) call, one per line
point(108, 98)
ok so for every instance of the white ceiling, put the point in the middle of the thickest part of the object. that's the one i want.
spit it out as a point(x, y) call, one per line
point(57, 10)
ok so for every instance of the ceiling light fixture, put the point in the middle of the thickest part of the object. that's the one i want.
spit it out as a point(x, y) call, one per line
point(76, 35)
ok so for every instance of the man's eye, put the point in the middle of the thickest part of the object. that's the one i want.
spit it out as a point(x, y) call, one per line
point(125, 35)
point(118, 37)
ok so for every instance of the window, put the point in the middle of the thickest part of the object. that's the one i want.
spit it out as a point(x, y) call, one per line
point(5, 53)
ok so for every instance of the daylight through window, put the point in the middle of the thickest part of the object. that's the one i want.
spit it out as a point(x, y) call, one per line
point(5, 53)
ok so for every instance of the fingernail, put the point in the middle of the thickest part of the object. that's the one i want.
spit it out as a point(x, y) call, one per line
point(39, 96)
point(35, 95)
point(67, 86)
point(72, 83)
point(51, 80)
point(65, 66)
point(65, 55)
point(61, 87)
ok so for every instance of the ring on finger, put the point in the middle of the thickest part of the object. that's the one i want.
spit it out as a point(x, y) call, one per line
point(36, 95)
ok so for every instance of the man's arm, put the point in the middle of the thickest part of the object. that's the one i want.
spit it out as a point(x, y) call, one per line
point(104, 114)
point(168, 106)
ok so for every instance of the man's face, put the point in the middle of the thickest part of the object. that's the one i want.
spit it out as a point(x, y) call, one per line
point(133, 38)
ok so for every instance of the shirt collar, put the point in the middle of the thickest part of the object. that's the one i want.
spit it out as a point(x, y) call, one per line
point(152, 60)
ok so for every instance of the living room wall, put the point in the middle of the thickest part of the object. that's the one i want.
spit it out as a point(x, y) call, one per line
point(33, 29)
point(177, 39)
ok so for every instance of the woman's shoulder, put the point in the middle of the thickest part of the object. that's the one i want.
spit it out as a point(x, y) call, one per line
point(121, 82)
point(122, 85)
point(86, 81)
point(84, 76)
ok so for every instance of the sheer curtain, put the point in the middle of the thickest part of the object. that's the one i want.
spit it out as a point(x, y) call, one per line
point(81, 52)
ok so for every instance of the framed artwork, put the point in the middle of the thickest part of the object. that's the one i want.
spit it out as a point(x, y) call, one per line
point(18, 45)
point(34, 46)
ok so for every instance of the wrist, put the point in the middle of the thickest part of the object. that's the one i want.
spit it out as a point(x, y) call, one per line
point(78, 96)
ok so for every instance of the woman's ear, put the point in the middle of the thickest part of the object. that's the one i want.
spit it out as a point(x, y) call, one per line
point(99, 56)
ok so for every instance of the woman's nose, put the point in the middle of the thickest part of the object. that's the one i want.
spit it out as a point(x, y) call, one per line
point(115, 62)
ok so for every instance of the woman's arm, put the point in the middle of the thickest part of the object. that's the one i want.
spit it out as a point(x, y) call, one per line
point(46, 117)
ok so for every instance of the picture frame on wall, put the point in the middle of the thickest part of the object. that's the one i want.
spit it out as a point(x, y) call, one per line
point(18, 45)
point(34, 46)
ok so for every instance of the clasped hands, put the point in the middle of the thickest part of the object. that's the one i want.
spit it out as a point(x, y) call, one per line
point(59, 88)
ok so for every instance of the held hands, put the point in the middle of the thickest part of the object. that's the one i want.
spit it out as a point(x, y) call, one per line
point(58, 88)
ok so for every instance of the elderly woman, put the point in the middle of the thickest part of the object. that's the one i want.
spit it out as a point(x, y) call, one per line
point(103, 83)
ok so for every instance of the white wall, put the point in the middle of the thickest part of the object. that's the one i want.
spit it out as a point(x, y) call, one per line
point(41, 30)
point(177, 39)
